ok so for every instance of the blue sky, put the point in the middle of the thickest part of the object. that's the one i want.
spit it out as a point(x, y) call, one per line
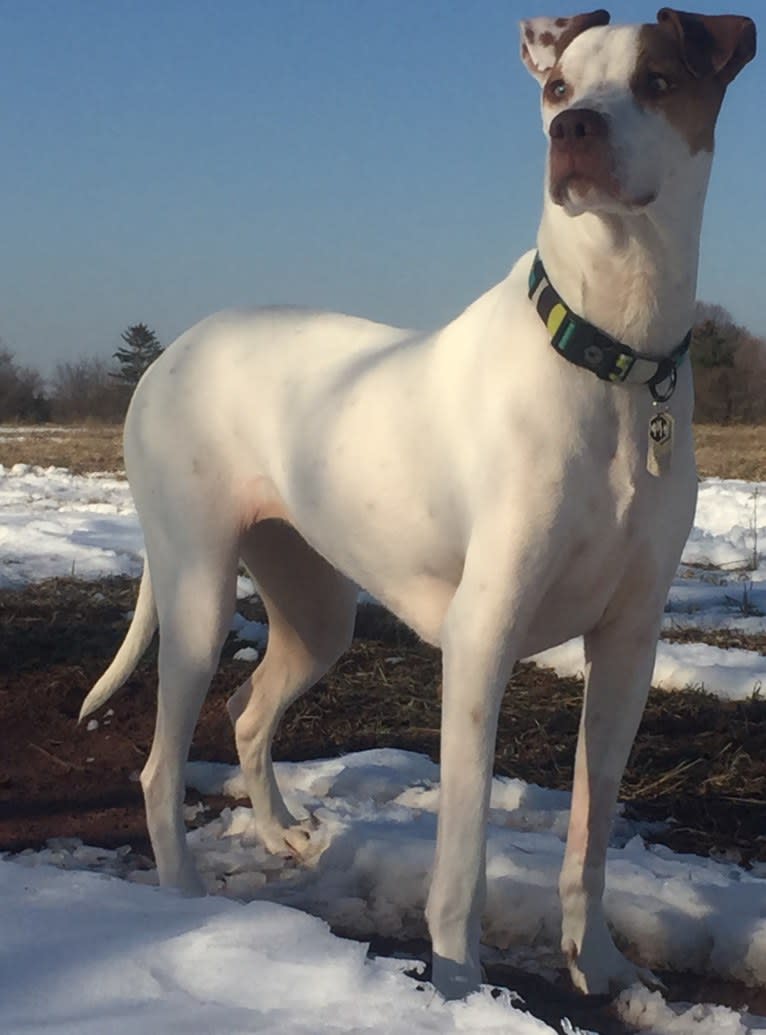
point(165, 158)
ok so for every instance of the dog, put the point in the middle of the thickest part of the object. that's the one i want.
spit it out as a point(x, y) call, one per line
point(522, 476)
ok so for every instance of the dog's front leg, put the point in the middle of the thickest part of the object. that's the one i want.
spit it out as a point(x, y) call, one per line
point(620, 659)
point(478, 646)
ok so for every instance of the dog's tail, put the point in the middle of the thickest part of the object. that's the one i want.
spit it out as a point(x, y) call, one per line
point(137, 639)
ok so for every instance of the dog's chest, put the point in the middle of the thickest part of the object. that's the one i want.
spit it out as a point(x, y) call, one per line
point(617, 538)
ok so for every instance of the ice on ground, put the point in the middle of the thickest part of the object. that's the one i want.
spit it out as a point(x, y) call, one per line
point(648, 1012)
point(245, 587)
point(246, 654)
point(106, 948)
point(370, 857)
point(85, 954)
point(254, 632)
point(54, 523)
point(729, 522)
point(373, 849)
point(732, 674)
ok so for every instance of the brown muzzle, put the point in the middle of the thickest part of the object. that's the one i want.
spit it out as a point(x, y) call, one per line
point(580, 154)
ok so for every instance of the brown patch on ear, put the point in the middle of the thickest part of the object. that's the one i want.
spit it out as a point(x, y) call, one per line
point(711, 45)
point(690, 104)
point(545, 39)
point(577, 24)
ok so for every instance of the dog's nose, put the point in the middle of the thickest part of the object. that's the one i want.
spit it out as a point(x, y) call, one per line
point(578, 124)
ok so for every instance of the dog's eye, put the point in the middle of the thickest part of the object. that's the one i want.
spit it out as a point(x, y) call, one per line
point(659, 84)
point(558, 88)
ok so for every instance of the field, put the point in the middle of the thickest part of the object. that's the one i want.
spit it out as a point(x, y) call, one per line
point(93, 447)
point(732, 451)
point(723, 451)
point(697, 773)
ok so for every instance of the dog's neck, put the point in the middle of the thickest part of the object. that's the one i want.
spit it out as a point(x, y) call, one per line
point(632, 275)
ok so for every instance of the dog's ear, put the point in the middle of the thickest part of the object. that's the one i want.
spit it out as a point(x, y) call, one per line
point(711, 45)
point(544, 40)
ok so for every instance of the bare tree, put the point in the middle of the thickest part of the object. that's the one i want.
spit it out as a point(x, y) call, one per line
point(729, 369)
point(712, 311)
point(84, 388)
point(22, 393)
point(750, 389)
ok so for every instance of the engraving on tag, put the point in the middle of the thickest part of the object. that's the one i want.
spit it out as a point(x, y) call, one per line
point(660, 448)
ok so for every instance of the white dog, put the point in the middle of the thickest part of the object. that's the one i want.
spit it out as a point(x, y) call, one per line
point(520, 477)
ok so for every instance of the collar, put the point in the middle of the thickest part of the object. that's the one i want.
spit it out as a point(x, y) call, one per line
point(588, 347)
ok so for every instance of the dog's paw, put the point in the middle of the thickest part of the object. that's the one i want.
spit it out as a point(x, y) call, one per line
point(297, 838)
point(455, 980)
point(293, 841)
point(606, 971)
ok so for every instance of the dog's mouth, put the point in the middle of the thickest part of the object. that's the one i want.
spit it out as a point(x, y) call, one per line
point(577, 175)
point(581, 182)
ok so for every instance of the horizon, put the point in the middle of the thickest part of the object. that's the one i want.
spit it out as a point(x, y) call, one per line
point(165, 161)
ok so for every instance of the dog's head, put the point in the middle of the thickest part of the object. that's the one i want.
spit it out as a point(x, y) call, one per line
point(625, 108)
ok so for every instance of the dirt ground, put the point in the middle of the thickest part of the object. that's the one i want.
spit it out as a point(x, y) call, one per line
point(697, 761)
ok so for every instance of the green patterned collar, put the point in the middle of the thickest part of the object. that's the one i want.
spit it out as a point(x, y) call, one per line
point(588, 347)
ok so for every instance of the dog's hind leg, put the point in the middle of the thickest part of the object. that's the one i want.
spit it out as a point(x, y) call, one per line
point(195, 604)
point(311, 609)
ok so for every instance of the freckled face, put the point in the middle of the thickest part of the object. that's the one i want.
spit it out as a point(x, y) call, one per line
point(647, 115)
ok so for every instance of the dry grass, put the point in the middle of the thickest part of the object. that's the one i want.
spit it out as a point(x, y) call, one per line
point(731, 451)
point(734, 451)
point(696, 759)
point(92, 447)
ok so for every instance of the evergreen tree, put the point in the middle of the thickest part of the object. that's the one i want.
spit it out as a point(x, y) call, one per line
point(142, 347)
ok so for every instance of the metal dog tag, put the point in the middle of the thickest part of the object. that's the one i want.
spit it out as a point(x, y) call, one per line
point(660, 448)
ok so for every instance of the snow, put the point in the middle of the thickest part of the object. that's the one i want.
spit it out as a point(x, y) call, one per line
point(729, 514)
point(732, 674)
point(246, 654)
point(88, 945)
point(55, 523)
point(258, 955)
point(648, 1011)
point(255, 632)
point(85, 954)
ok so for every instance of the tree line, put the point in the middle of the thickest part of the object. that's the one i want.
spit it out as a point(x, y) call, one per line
point(729, 369)
point(89, 388)
point(729, 373)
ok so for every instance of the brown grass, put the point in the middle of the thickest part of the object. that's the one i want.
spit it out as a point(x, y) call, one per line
point(731, 451)
point(696, 759)
point(93, 447)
